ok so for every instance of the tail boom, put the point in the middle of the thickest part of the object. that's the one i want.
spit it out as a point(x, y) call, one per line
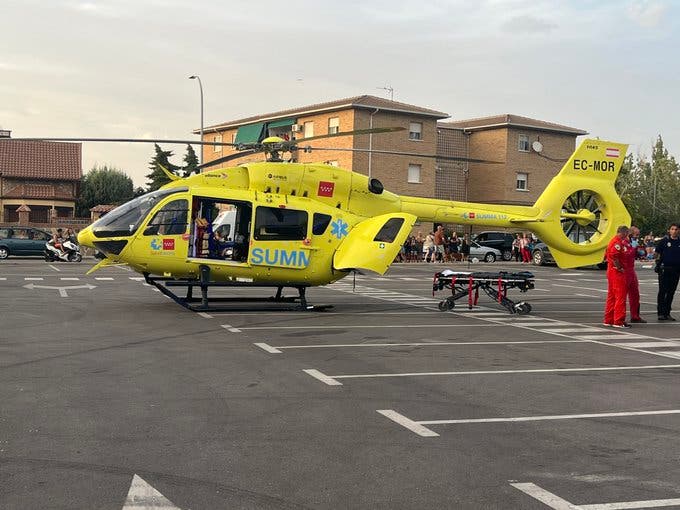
point(576, 215)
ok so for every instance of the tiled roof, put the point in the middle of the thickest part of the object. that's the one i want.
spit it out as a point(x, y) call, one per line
point(37, 191)
point(41, 160)
point(365, 102)
point(509, 120)
point(103, 208)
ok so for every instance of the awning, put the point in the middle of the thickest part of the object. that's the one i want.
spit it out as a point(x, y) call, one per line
point(281, 123)
point(250, 133)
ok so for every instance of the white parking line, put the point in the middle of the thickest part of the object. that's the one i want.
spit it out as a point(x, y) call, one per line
point(583, 329)
point(672, 354)
point(105, 278)
point(229, 327)
point(72, 279)
point(419, 426)
point(409, 424)
point(643, 345)
point(55, 268)
point(205, 315)
point(550, 417)
point(545, 497)
point(276, 349)
point(579, 287)
point(34, 279)
point(369, 326)
point(323, 377)
point(556, 503)
point(610, 336)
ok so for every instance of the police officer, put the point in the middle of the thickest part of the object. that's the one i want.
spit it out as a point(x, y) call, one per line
point(617, 280)
point(667, 255)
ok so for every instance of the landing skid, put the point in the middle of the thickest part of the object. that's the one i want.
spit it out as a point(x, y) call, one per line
point(278, 302)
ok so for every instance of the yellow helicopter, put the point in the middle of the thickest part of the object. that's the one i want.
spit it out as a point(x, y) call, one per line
point(284, 224)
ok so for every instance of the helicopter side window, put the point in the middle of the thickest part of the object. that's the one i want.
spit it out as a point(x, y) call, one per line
point(320, 223)
point(389, 230)
point(170, 220)
point(278, 224)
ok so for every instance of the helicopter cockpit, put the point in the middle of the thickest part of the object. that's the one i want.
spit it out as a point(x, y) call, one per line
point(126, 219)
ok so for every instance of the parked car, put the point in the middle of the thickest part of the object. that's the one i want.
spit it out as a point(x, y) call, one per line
point(541, 254)
point(501, 241)
point(22, 241)
point(484, 252)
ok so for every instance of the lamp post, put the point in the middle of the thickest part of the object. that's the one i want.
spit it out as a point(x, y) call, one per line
point(200, 85)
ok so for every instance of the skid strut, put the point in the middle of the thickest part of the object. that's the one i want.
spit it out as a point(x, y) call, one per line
point(278, 302)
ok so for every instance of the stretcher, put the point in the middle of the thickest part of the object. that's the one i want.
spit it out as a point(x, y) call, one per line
point(495, 285)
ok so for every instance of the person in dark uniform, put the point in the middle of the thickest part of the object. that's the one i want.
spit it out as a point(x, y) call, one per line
point(667, 255)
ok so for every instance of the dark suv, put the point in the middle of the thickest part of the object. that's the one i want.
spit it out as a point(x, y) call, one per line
point(502, 241)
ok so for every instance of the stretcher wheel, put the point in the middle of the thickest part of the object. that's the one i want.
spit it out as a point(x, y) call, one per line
point(446, 304)
point(523, 308)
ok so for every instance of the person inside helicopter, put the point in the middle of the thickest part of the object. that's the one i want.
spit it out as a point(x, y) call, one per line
point(221, 229)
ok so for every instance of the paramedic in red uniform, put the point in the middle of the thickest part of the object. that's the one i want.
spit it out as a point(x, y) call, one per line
point(617, 279)
point(632, 284)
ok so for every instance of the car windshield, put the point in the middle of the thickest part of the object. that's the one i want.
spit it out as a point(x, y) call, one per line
point(126, 219)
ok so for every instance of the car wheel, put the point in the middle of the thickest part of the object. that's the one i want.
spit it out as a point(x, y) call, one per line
point(4, 252)
point(602, 265)
point(490, 257)
point(507, 255)
point(538, 258)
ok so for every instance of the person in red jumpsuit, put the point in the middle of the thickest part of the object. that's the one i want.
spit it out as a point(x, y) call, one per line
point(617, 279)
point(632, 285)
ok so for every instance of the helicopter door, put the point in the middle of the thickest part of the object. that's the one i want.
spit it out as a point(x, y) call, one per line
point(280, 238)
point(374, 243)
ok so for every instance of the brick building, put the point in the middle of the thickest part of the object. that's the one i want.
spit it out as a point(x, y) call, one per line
point(41, 176)
point(412, 175)
point(530, 151)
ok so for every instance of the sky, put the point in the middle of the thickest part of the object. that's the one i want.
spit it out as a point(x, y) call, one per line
point(71, 68)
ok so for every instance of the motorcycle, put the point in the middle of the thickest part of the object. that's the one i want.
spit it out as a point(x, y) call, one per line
point(70, 252)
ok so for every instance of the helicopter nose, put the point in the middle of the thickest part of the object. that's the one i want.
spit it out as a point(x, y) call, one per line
point(86, 238)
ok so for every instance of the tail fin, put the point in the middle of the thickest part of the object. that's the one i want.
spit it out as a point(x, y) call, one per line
point(580, 210)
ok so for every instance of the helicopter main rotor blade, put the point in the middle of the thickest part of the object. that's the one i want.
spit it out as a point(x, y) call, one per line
point(356, 132)
point(413, 154)
point(230, 157)
point(121, 140)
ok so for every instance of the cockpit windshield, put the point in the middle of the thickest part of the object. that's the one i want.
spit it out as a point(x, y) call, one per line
point(126, 219)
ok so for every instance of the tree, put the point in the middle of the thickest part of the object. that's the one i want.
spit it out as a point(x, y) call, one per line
point(103, 185)
point(157, 178)
point(190, 162)
point(648, 188)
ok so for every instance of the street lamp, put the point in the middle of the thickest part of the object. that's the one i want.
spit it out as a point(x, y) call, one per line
point(200, 85)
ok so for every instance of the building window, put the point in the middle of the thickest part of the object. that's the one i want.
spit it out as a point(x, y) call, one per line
point(333, 125)
point(217, 139)
point(522, 181)
point(523, 145)
point(415, 131)
point(309, 129)
point(414, 173)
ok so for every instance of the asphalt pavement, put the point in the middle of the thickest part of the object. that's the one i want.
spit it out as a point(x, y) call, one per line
point(114, 397)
